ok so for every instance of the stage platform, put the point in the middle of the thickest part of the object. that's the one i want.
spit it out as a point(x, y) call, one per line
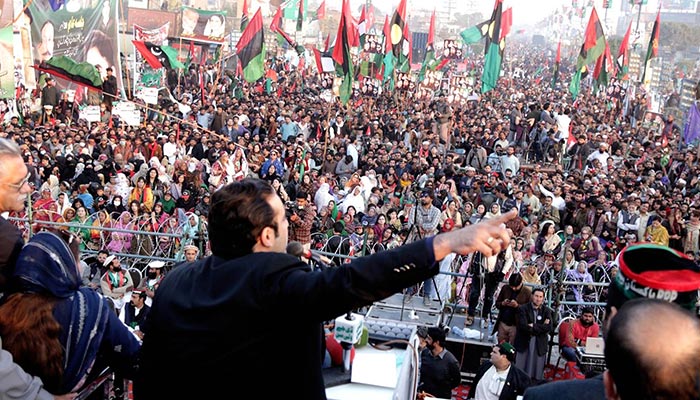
point(470, 351)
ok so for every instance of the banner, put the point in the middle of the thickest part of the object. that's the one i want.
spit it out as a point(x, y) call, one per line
point(149, 95)
point(90, 113)
point(461, 88)
point(452, 49)
point(144, 75)
point(127, 113)
point(371, 87)
point(83, 31)
point(25, 75)
point(432, 80)
point(202, 25)
point(327, 79)
point(374, 44)
point(405, 82)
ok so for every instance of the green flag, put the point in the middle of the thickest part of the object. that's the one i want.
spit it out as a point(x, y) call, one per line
point(494, 51)
point(251, 49)
point(475, 33)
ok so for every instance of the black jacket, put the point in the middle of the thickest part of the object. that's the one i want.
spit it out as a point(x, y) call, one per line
point(223, 326)
point(130, 319)
point(516, 382)
point(540, 328)
point(580, 389)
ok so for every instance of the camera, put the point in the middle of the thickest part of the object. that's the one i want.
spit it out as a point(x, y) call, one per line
point(291, 208)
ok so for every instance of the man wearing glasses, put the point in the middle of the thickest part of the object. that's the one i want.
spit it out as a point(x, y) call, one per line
point(14, 189)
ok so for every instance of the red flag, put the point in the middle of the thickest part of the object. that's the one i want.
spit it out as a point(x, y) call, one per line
point(558, 59)
point(387, 35)
point(145, 50)
point(276, 26)
point(623, 55)
point(370, 17)
point(350, 31)
point(361, 25)
point(190, 52)
point(321, 11)
point(506, 22)
point(327, 44)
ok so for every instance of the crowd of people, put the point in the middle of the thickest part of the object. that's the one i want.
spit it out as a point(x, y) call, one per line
point(587, 178)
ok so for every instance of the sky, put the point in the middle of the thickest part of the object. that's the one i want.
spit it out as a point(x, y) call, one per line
point(525, 12)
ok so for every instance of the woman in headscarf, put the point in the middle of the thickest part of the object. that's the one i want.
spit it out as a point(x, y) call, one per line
point(530, 275)
point(239, 165)
point(494, 211)
point(55, 329)
point(580, 293)
point(478, 214)
point(354, 199)
point(122, 187)
point(120, 241)
point(99, 237)
point(82, 218)
point(547, 241)
point(323, 196)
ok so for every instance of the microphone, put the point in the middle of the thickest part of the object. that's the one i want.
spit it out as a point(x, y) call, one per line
point(296, 249)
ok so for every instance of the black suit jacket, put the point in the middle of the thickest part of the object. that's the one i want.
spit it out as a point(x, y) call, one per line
point(223, 326)
point(140, 320)
point(583, 389)
point(11, 243)
point(539, 328)
point(517, 382)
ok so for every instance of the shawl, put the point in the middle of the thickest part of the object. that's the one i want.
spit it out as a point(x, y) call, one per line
point(47, 266)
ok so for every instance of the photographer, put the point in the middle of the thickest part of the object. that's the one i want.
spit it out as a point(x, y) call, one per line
point(301, 216)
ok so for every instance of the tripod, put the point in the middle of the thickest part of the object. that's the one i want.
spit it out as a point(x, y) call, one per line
point(404, 300)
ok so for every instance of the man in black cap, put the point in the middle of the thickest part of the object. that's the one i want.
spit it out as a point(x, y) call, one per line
point(499, 378)
point(186, 201)
point(645, 271)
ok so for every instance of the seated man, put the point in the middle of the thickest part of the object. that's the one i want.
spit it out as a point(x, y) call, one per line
point(116, 283)
point(136, 313)
point(499, 378)
point(574, 333)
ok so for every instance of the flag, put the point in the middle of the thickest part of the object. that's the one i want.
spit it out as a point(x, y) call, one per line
point(300, 16)
point(251, 49)
point(244, 15)
point(603, 68)
point(653, 49)
point(494, 50)
point(506, 22)
point(321, 11)
point(397, 32)
point(592, 48)
point(276, 26)
point(341, 51)
point(327, 43)
point(623, 56)
point(691, 133)
point(66, 68)
point(429, 60)
point(190, 55)
point(388, 54)
point(362, 27)
point(158, 56)
point(557, 63)
point(475, 33)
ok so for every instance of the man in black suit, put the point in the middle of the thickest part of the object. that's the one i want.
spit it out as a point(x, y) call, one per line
point(250, 311)
point(499, 378)
point(534, 323)
point(109, 87)
point(643, 269)
point(136, 313)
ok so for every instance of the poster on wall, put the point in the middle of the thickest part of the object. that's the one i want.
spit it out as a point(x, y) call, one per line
point(202, 25)
point(7, 80)
point(83, 31)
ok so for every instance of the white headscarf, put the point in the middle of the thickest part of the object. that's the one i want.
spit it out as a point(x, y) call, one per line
point(323, 196)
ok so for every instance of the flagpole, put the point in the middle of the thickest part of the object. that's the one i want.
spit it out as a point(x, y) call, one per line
point(128, 78)
point(639, 16)
point(179, 72)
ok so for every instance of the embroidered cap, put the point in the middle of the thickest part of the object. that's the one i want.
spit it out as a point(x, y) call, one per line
point(156, 264)
point(108, 261)
point(656, 272)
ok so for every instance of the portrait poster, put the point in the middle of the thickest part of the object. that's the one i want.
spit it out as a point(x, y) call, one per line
point(374, 44)
point(202, 25)
point(83, 31)
point(371, 87)
point(432, 80)
point(405, 82)
point(452, 49)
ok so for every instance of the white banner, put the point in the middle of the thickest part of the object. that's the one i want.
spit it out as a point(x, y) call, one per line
point(90, 113)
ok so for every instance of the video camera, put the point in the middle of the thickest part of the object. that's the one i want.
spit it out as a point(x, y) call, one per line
point(292, 207)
